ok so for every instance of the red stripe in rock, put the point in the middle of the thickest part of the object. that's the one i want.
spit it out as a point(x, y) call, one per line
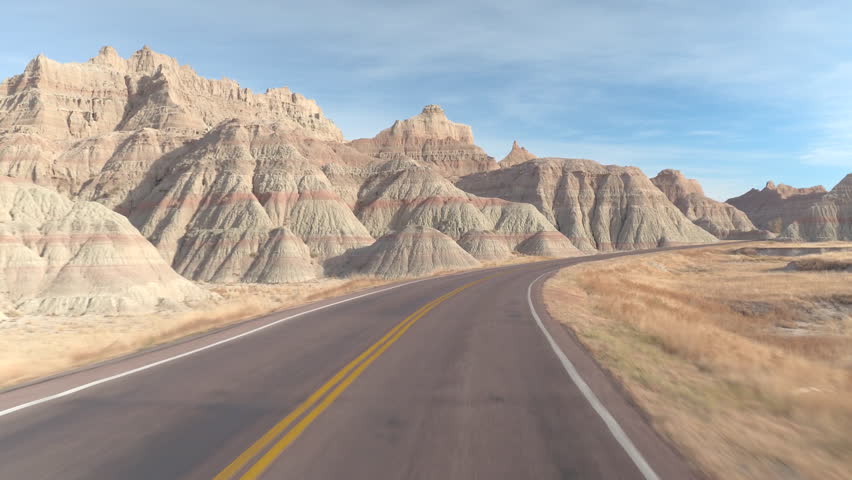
point(435, 200)
point(205, 201)
point(74, 238)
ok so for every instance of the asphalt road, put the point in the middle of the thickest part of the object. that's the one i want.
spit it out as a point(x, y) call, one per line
point(448, 378)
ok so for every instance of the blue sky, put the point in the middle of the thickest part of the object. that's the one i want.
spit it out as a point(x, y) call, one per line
point(732, 93)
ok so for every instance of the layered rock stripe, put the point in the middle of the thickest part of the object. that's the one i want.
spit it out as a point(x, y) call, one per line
point(64, 257)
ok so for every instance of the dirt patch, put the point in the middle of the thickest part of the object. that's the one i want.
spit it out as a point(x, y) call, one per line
point(821, 265)
point(746, 367)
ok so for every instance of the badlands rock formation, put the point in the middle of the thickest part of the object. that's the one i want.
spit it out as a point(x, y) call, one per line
point(413, 251)
point(597, 207)
point(226, 197)
point(218, 178)
point(429, 138)
point(64, 257)
point(549, 244)
point(61, 123)
point(776, 207)
point(397, 197)
point(721, 219)
point(147, 90)
point(827, 219)
point(397, 193)
point(233, 186)
point(517, 155)
point(485, 246)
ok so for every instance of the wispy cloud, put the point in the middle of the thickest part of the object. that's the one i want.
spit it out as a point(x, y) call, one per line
point(705, 133)
point(822, 155)
point(649, 133)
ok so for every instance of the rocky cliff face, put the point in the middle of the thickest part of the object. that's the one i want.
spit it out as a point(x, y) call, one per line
point(776, 207)
point(61, 257)
point(61, 123)
point(720, 219)
point(147, 90)
point(431, 139)
point(597, 207)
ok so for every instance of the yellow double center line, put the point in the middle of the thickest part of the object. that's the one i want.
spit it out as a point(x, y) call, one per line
point(315, 404)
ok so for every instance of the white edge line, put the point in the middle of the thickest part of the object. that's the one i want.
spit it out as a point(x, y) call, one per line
point(192, 352)
point(587, 392)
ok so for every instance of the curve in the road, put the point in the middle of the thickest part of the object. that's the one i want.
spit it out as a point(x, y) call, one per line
point(475, 392)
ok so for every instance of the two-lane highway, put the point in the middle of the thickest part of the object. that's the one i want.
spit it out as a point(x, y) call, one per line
point(455, 377)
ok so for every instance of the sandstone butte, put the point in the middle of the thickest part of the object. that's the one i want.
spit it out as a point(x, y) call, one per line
point(720, 219)
point(228, 185)
point(806, 214)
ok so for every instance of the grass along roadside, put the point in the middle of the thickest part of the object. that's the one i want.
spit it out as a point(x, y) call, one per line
point(745, 366)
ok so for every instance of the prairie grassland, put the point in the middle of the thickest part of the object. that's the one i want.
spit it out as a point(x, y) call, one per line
point(745, 366)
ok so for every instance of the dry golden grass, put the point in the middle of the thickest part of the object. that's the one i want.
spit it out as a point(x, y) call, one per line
point(745, 366)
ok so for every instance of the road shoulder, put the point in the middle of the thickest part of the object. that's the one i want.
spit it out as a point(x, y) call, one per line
point(662, 456)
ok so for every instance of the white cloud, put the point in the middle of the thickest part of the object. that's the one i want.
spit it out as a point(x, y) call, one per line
point(705, 133)
point(649, 133)
point(830, 156)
